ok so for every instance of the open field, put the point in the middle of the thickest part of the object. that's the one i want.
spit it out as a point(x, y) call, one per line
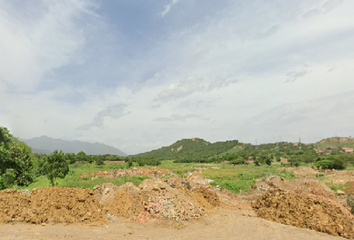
point(227, 176)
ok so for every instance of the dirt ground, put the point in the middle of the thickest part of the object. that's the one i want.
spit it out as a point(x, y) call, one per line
point(222, 224)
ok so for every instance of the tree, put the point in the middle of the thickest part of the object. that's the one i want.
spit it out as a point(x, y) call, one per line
point(16, 161)
point(99, 160)
point(71, 157)
point(55, 166)
point(81, 157)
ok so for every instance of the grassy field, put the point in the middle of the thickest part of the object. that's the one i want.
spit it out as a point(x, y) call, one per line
point(235, 178)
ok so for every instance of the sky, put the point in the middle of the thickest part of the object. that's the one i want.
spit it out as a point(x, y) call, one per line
point(141, 74)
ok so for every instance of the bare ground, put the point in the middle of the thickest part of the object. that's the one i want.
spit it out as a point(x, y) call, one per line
point(221, 224)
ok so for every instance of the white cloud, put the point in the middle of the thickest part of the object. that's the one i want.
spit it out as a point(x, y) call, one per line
point(168, 7)
point(184, 88)
point(177, 117)
point(47, 37)
point(210, 77)
point(113, 112)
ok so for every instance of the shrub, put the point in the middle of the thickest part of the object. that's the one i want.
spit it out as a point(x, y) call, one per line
point(350, 201)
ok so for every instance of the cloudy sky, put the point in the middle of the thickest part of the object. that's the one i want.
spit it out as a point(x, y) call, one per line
point(141, 74)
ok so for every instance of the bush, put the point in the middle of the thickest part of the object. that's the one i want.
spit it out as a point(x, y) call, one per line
point(331, 164)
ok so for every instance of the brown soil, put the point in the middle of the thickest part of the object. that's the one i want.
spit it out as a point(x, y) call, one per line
point(223, 224)
point(126, 201)
point(104, 192)
point(304, 186)
point(350, 188)
point(305, 211)
point(56, 205)
point(153, 172)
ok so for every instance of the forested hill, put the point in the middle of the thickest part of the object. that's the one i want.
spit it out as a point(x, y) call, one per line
point(335, 142)
point(190, 148)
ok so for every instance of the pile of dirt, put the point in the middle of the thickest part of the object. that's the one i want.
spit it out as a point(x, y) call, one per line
point(50, 205)
point(104, 192)
point(169, 202)
point(14, 206)
point(127, 201)
point(152, 172)
point(305, 211)
point(304, 186)
point(198, 177)
point(338, 177)
point(155, 198)
point(203, 197)
point(65, 205)
point(350, 188)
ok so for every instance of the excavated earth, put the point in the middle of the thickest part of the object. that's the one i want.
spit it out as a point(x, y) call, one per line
point(152, 172)
point(50, 205)
point(305, 211)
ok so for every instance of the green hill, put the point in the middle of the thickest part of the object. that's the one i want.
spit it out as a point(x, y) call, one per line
point(190, 148)
point(335, 142)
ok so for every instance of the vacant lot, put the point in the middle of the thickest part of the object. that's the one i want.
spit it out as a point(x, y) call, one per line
point(242, 202)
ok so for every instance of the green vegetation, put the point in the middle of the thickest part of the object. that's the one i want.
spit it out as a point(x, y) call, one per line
point(194, 148)
point(16, 161)
point(336, 187)
point(350, 202)
point(55, 166)
point(20, 169)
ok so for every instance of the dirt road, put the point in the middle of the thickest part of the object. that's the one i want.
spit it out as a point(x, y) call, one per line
point(223, 224)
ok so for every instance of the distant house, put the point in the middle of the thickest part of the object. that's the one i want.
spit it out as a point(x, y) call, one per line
point(319, 151)
point(249, 161)
point(347, 150)
point(284, 160)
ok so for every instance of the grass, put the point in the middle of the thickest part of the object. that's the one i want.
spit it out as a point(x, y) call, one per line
point(336, 187)
point(234, 178)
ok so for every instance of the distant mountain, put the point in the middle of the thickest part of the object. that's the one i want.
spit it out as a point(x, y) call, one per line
point(47, 145)
point(190, 148)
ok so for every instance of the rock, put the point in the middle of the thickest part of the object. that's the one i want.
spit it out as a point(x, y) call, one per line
point(340, 192)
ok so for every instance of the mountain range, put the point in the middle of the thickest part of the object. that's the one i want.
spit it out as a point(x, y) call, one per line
point(47, 145)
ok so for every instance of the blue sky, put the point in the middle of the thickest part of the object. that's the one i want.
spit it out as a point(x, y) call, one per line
point(140, 74)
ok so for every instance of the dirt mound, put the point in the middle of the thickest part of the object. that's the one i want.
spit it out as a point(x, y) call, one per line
point(170, 202)
point(350, 188)
point(313, 212)
point(211, 197)
point(65, 205)
point(197, 177)
point(153, 198)
point(127, 201)
point(304, 186)
point(14, 206)
point(203, 197)
point(56, 205)
point(152, 172)
point(104, 192)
